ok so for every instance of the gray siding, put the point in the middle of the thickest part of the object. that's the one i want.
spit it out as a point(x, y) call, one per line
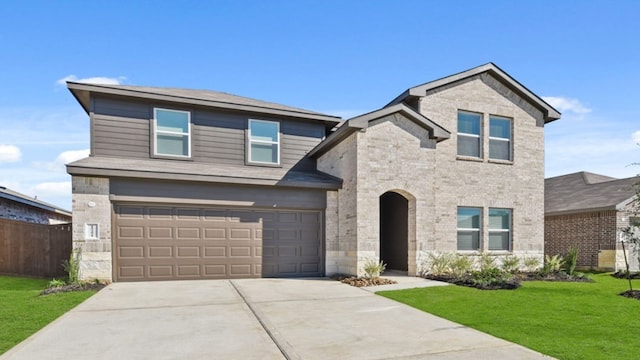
point(216, 194)
point(121, 128)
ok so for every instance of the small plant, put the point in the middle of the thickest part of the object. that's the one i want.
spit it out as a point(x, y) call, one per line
point(552, 264)
point(72, 266)
point(57, 283)
point(510, 264)
point(440, 263)
point(571, 260)
point(531, 263)
point(460, 265)
point(486, 262)
point(373, 268)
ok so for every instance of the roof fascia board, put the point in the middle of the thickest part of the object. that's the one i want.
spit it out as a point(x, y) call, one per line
point(551, 114)
point(181, 99)
point(86, 171)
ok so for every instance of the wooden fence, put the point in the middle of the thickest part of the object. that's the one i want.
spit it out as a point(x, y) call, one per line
point(34, 249)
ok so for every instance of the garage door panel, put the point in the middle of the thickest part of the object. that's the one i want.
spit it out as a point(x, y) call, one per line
point(163, 242)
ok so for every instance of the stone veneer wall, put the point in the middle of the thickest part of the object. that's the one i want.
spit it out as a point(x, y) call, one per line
point(517, 184)
point(91, 205)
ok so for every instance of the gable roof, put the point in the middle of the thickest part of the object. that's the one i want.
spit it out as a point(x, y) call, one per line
point(584, 191)
point(82, 91)
point(33, 202)
point(550, 114)
point(357, 123)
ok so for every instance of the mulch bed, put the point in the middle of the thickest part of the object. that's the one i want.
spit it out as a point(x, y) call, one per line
point(560, 276)
point(623, 275)
point(635, 294)
point(72, 287)
point(362, 282)
point(469, 281)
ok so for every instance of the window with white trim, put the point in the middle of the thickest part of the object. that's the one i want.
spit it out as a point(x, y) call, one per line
point(499, 229)
point(499, 138)
point(469, 134)
point(469, 228)
point(172, 131)
point(264, 142)
point(92, 231)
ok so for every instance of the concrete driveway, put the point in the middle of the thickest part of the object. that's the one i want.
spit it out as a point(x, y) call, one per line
point(255, 319)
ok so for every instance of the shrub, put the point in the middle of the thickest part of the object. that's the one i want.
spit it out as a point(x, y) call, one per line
point(486, 262)
point(571, 260)
point(531, 263)
point(552, 264)
point(460, 265)
point(57, 283)
point(373, 268)
point(72, 266)
point(510, 264)
point(440, 263)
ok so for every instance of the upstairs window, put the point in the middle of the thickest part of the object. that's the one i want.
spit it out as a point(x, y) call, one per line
point(264, 142)
point(469, 139)
point(499, 138)
point(172, 130)
point(499, 229)
point(469, 220)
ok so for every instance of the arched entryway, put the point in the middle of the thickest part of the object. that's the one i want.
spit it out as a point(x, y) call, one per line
point(394, 226)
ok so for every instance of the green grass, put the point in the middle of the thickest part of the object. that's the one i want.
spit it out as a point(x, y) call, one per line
point(23, 311)
point(560, 319)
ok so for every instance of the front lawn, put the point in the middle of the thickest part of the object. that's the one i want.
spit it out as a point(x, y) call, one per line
point(23, 311)
point(563, 320)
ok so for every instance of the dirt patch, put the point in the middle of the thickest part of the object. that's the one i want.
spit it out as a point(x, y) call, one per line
point(362, 282)
point(72, 287)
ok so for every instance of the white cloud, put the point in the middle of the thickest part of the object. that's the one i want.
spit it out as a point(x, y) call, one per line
point(10, 153)
point(564, 104)
point(71, 155)
point(636, 137)
point(92, 80)
point(52, 189)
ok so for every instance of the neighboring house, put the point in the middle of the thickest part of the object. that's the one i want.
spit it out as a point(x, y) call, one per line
point(587, 211)
point(16, 206)
point(190, 184)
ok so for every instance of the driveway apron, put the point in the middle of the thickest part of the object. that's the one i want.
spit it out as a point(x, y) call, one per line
point(255, 319)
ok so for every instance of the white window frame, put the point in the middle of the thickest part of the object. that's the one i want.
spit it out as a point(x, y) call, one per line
point(478, 230)
point(157, 132)
point(509, 230)
point(509, 140)
point(92, 231)
point(477, 136)
point(264, 142)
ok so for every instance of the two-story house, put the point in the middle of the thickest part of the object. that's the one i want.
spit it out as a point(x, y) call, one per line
point(191, 184)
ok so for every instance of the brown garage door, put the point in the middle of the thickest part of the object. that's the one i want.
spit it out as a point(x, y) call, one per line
point(154, 242)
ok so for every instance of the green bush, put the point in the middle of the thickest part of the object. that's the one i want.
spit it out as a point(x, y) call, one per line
point(552, 264)
point(531, 263)
point(373, 268)
point(571, 260)
point(486, 262)
point(57, 283)
point(510, 264)
point(440, 263)
point(72, 266)
point(460, 265)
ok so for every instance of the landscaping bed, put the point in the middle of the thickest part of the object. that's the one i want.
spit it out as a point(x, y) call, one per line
point(73, 287)
point(363, 281)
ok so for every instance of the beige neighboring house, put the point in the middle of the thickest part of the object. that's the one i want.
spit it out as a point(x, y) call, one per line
point(20, 207)
point(194, 184)
point(589, 211)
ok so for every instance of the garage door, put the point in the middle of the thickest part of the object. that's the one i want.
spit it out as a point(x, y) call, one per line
point(167, 242)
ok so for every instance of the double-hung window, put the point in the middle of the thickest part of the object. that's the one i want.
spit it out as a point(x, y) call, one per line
point(172, 131)
point(469, 134)
point(469, 228)
point(264, 142)
point(499, 229)
point(499, 138)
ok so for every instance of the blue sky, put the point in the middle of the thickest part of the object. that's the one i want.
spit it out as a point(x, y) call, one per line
point(338, 57)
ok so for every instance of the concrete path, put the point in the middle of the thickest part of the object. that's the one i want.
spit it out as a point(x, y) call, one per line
point(255, 319)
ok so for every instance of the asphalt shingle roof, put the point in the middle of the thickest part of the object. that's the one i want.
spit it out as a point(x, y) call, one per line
point(583, 191)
